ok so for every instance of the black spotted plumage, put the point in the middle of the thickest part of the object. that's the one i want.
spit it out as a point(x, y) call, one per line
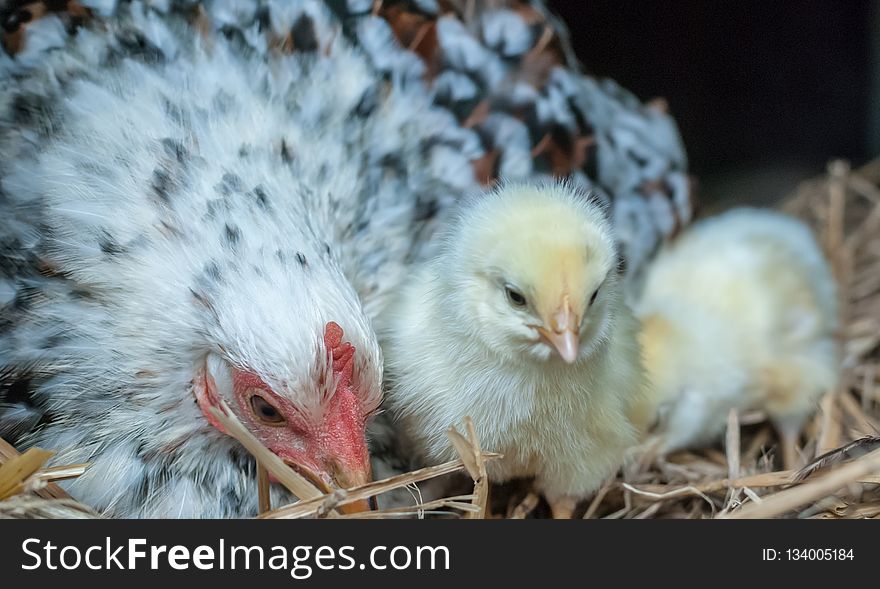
point(168, 170)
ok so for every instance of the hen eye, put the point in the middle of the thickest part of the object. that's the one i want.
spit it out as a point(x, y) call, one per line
point(516, 298)
point(593, 298)
point(265, 411)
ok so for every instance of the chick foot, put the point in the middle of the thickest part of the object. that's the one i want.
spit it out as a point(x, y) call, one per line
point(563, 507)
point(788, 442)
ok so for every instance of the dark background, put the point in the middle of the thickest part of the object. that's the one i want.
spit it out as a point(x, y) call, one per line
point(765, 93)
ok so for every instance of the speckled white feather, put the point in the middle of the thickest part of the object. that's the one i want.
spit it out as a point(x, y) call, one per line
point(189, 201)
point(104, 284)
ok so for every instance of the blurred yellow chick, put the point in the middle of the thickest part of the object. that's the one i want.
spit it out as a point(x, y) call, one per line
point(519, 323)
point(738, 313)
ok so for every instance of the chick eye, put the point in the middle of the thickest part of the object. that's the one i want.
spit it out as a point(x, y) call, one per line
point(595, 294)
point(516, 298)
point(265, 411)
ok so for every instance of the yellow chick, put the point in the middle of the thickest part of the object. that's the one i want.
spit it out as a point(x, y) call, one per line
point(519, 322)
point(738, 313)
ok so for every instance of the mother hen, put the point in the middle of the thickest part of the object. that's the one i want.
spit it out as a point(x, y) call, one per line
point(208, 201)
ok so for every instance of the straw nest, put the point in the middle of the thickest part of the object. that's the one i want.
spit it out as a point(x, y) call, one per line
point(738, 478)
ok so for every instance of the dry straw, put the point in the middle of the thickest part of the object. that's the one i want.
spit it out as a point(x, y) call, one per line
point(839, 447)
point(842, 477)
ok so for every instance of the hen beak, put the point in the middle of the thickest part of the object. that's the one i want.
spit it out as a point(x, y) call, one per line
point(342, 479)
point(563, 333)
point(348, 478)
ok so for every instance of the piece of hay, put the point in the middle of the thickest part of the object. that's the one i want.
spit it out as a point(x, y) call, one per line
point(28, 490)
point(790, 499)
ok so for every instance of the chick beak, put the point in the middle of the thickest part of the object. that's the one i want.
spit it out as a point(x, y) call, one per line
point(565, 344)
point(563, 333)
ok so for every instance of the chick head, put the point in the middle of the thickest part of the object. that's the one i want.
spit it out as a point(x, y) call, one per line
point(534, 271)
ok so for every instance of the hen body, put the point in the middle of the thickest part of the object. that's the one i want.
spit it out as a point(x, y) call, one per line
point(181, 178)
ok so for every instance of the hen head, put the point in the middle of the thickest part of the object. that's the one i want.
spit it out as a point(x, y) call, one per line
point(322, 440)
point(292, 355)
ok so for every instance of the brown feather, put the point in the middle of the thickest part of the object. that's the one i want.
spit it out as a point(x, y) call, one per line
point(834, 457)
point(17, 18)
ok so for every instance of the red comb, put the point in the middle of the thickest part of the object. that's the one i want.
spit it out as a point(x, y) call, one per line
point(341, 352)
point(332, 335)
